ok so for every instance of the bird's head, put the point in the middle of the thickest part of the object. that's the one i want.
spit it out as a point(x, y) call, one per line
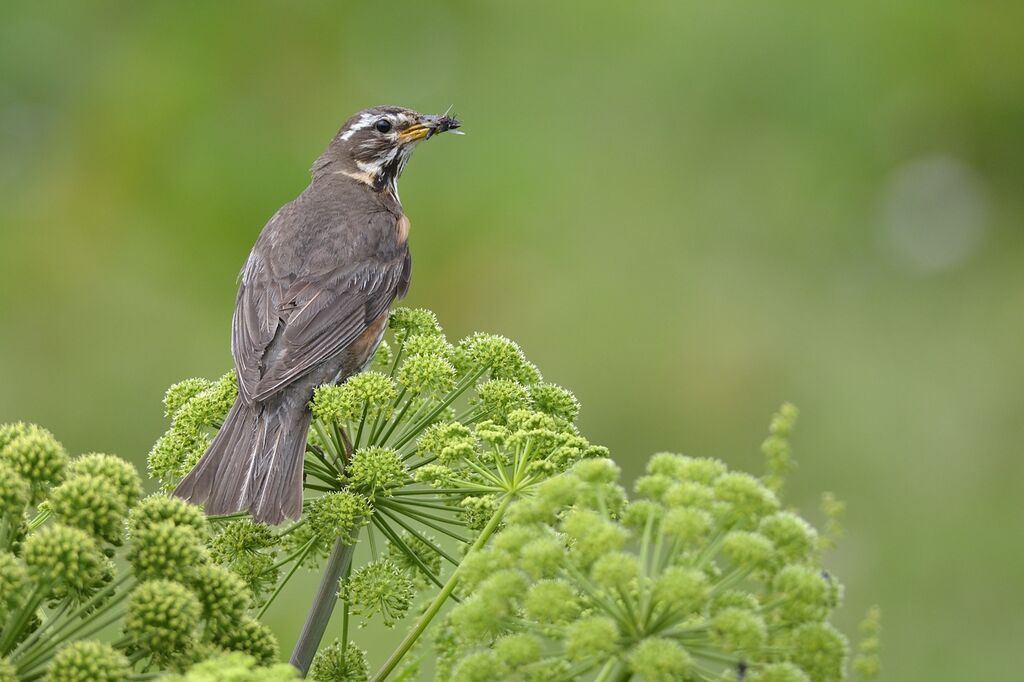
point(374, 145)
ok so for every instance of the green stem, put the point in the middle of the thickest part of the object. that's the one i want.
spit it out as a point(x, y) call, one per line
point(395, 421)
point(323, 606)
point(39, 520)
point(397, 540)
point(607, 671)
point(441, 598)
point(318, 453)
point(298, 562)
point(41, 630)
point(416, 534)
point(19, 618)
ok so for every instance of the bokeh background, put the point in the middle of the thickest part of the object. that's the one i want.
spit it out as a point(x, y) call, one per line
point(687, 212)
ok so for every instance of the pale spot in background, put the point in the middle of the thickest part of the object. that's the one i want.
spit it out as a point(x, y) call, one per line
point(934, 213)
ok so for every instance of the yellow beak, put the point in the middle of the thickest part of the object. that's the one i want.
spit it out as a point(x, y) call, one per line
point(414, 133)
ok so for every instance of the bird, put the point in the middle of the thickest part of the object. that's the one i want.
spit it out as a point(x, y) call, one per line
point(312, 307)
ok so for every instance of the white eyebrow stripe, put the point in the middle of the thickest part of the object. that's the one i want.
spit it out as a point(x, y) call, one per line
point(363, 122)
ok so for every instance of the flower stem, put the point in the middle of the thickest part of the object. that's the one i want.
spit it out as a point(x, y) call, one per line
point(441, 597)
point(323, 606)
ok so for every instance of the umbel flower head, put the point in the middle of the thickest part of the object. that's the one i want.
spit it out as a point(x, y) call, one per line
point(340, 663)
point(235, 666)
point(162, 619)
point(702, 577)
point(380, 587)
point(196, 407)
point(34, 454)
point(61, 559)
point(88, 661)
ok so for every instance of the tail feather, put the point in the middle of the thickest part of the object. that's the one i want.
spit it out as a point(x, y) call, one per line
point(254, 463)
point(276, 484)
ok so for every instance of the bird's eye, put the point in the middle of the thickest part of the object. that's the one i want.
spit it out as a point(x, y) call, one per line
point(382, 125)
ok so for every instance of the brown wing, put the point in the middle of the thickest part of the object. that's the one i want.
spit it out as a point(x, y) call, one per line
point(280, 334)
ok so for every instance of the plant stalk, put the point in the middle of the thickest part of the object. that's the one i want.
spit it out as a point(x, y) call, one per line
point(441, 597)
point(323, 606)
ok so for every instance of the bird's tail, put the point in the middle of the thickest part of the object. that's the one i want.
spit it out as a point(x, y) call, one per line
point(254, 464)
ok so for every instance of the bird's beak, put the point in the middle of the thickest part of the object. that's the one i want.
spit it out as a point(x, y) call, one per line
point(428, 126)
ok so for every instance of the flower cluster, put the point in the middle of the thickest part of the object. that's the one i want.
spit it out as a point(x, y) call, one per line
point(703, 576)
point(197, 407)
point(429, 442)
point(80, 551)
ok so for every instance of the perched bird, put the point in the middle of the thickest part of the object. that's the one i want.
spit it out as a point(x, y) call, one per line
point(311, 309)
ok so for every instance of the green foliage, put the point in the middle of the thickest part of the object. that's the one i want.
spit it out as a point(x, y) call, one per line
point(684, 582)
point(79, 552)
point(558, 573)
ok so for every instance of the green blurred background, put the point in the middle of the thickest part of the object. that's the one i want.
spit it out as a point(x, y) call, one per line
point(687, 212)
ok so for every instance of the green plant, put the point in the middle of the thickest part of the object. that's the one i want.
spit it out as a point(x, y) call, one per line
point(492, 524)
point(82, 557)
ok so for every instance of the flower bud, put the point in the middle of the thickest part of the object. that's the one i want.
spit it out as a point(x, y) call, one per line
point(222, 594)
point(13, 581)
point(208, 407)
point(429, 344)
point(249, 636)
point(551, 602)
point(183, 391)
point(657, 659)
point(376, 470)
point(684, 590)
point(427, 374)
point(14, 494)
point(496, 355)
point(593, 535)
point(479, 666)
point(819, 650)
point(555, 400)
point(591, 636)
point(119, 473)
point(93, 504)
point(617, 570)
point(746, 500)
point(65, 559)
point(750, 551)
point(423, 552)
point(689, 525)
point(158, 508)
point(739, 631)
point(36, 456)
point(338, 663)
point(690, 494)
point(373, 392)
point(498, 397)
point(379, 587)
point(383, 358)
point(653, 486)
point(805, 593)
point(162, 618)
point(338, 515)
point(88, 661)
point(543, 557)
point(409, 322)
point(794, 539)
point(517, 651)
point(597, 471)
